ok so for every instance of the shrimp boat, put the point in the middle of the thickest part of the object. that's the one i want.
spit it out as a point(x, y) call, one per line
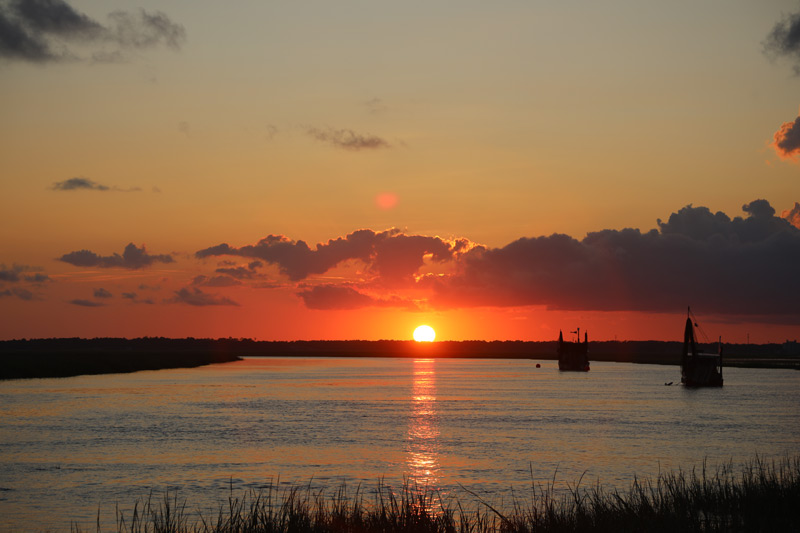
point(699, 369)
point(573, 356)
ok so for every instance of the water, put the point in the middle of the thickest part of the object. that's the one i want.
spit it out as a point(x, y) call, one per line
point(72, 446)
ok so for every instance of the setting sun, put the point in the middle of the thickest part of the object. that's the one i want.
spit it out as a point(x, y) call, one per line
point(424, 334)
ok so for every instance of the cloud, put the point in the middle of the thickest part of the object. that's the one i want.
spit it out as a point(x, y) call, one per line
point(328, 297)
point(793, 215)
point(73, 184)
point(743, 266)
point(145, 30)
point(132, 258)
point(16, 273)
point(240, 272)
point(76, 184)
point(348, 139)
point(102, 293)
point(393, 255)
point(19, 292)
point(376, 106)
point(739, 266)
point(215, 281)
point(86, 303)
point(197, 297)
point(43, 31)
point(787, 139)
point(759, 209)
point(784, 40)
point(11, 274)
point(135, 299)
point(335, 297)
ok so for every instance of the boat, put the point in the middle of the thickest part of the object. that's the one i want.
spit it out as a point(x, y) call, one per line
point(699, 369)
point(573, 356)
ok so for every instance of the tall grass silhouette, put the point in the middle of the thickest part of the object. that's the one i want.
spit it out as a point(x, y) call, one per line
point(760, 495)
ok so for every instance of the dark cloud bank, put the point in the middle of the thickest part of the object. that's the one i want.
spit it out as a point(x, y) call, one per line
point(746, 266)
point(42, 31)
point(739, 266)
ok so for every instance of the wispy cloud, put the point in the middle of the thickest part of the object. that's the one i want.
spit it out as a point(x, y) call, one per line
point(198, 298)
point(42, 31)
point(241, 272)
point(215, 281)
point(330, 297)
point(132, 258)
point(376, 106)
point(348, 139)
point(86, 303)
point(102, 293)
point(784, 40)
point(19, 292)
point(132, 296)
point(77, 184)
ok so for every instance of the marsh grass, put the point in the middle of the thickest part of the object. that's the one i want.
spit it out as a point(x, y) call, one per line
point(761, 495)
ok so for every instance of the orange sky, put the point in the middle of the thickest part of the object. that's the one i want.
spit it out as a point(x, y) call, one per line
point(497, 171)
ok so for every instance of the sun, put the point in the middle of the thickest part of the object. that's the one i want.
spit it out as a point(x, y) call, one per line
point(424, 334)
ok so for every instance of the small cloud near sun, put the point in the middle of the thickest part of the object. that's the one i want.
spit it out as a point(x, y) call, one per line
point(386, 200)
point(787, 140)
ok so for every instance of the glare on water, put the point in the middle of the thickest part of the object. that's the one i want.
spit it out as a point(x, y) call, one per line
point(423, 432)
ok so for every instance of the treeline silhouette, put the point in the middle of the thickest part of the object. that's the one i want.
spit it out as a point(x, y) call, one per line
point(40, 358)
point(61, 357)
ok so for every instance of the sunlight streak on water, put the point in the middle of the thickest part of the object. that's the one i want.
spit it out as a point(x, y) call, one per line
point(423, 431)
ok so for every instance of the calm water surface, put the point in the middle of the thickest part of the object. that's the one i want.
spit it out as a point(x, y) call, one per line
point(71, 446)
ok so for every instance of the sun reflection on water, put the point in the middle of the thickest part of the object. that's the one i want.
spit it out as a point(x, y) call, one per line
point(423, 428)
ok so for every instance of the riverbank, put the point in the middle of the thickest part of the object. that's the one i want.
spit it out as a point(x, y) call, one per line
point(48, 358)
point(39, 358)
point(758, 496)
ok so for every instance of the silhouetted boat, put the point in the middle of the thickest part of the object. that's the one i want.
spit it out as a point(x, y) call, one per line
point(573, 356)
point(699, 369)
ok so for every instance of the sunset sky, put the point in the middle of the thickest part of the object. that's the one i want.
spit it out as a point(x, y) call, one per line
point(350, 170)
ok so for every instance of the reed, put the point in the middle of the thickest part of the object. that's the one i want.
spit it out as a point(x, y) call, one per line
point(761, 495)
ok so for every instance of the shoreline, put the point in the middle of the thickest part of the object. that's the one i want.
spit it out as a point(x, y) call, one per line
point(42, 358)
